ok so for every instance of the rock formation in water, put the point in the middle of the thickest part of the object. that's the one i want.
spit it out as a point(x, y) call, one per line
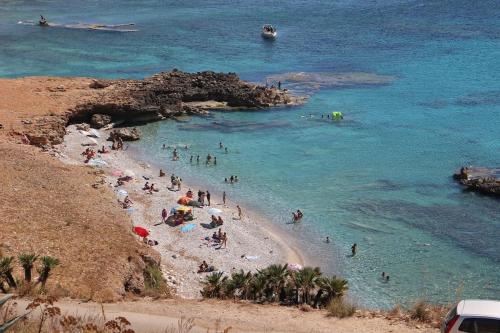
point(479, 179)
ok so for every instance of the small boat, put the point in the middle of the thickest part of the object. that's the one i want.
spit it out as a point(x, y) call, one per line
point(269, 32)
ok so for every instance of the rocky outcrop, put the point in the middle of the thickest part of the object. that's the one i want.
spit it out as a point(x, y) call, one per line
point(130, 102)
point(126, 134)
point(479, 179)
point(172, 93)
point(100, 120)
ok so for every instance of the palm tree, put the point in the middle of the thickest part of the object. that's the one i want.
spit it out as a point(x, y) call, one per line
point(27, 260)
point(239, 283)
point(305, 280)
point(258, 285)
point(213, 285)
point(330, 288)
point(277, 276)
point(6, 271)
point(48, 263)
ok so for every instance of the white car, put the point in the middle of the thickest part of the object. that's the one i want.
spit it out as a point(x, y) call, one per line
point(473, 316)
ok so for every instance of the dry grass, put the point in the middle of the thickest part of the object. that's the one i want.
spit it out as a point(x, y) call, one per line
point(340, 308)
point(52, 209)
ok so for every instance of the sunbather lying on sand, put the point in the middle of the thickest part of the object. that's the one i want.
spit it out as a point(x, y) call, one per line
point(146, 186)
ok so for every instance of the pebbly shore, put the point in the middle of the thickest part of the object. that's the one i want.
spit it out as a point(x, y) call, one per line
point(251, 243)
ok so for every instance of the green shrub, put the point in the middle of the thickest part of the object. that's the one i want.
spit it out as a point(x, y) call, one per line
point(154, 283)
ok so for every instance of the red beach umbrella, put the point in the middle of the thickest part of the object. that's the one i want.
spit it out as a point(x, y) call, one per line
point(141, 231)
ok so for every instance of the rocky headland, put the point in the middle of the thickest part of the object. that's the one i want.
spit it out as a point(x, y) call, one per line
point(129, 102)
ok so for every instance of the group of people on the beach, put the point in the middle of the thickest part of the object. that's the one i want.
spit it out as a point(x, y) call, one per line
point(150, 188)
point(220, 238)
point(175, 181)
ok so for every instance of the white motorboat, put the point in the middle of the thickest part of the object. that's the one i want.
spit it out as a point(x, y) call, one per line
point(269, 32)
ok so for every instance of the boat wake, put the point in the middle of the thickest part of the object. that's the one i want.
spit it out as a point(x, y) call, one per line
point(125, 27)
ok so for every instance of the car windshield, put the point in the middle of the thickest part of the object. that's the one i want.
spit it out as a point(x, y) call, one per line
point(480, 325)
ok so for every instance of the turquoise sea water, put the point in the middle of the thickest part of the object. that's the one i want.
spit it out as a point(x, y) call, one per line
point(380, 178)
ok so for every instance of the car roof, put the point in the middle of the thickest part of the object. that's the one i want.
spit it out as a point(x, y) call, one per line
point(479, 308)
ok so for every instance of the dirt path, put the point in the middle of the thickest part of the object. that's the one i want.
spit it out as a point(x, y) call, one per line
point(156, 316)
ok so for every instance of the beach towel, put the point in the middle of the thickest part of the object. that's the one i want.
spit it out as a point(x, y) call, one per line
point(188, 227)
point(252, 258)
point(97, 163)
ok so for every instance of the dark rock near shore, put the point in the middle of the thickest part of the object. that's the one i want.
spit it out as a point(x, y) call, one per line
point(100, 120)
point(126, 134)
point(176, 93)
point(478, 179)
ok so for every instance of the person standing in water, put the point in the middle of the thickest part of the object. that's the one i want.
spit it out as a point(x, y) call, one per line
point(197, 159)
point(221, 145)
point(215, 160)
point(353, 249)
point(191, 159)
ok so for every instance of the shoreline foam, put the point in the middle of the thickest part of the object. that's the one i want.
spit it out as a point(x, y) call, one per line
point(252, 242)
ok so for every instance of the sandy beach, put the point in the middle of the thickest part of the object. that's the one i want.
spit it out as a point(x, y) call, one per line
point(251, 244)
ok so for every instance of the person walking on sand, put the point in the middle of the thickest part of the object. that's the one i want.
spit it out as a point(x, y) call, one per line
point(240, 213)
point(353, 249)
point(224, 198)
point(224, 240)
point(208, 197)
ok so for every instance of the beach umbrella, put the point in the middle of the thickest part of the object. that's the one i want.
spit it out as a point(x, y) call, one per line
point(141, 231)
point(122, 192)
point(294, 267)
point(180, 208)
point(129, 173)
point(184, 209)
point(214, 211)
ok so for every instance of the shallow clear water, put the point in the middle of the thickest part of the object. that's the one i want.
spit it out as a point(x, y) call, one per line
point(380, 178)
